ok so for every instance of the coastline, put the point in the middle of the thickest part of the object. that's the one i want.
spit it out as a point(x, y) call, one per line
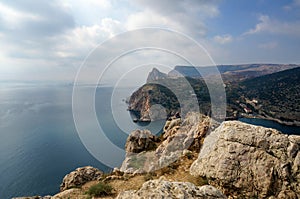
point(294, 123)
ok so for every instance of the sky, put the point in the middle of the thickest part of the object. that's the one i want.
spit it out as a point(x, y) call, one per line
point(49, 40)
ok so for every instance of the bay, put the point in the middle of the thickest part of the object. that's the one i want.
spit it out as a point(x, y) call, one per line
point(291, 130)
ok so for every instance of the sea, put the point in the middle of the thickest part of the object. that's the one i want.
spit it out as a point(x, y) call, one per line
point(39, 142)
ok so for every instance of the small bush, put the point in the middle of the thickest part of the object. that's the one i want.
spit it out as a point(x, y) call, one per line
point(100, 189)
point(189, 155)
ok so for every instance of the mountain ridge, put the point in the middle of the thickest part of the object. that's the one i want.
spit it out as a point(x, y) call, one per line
point(246, 97)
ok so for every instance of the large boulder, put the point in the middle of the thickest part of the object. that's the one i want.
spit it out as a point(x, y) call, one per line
point(246, 161)
point(162, 189)
point(80, 176)
point(140, 147)
point(140, 140)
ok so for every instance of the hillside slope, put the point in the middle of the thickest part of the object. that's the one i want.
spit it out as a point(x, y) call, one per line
point(273, 96)
point(278, 94)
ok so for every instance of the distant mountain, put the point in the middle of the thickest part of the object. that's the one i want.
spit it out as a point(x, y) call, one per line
point(231, 72)
point(154, 75)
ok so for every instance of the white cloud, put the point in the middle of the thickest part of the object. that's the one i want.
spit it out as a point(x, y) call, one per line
point(79, 41)
point(185, 16)
point(104, 4)
point(149, 18)
point(223, 39)
point(268, 45)
point(12, 18)
point(268, 25)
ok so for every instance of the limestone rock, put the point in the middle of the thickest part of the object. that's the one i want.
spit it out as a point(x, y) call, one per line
point(140, 140)
point(80, 176)
point(162, 189)
point(140, 146)
point(179, 135)
point(70, 193)
point(250, 161)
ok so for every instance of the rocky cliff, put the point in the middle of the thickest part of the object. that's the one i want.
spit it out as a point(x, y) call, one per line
point(152, 102)
point(146, 152)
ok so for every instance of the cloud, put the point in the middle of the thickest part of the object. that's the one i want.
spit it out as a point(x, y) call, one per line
point(27, 29)
point(185, 16)
point(268, 45)
point(223, 39)
point(79, 41)
point(268, 25)
point(293, 5)
point(33, 19)
point(11, 19)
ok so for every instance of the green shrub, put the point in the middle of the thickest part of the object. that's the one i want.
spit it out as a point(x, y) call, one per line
point(100, 189)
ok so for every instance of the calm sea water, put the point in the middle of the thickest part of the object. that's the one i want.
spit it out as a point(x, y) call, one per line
point(39, 143)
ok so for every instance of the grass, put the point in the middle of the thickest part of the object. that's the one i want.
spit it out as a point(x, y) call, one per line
point(100, 189)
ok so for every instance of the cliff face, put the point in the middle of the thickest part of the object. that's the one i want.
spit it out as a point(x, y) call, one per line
point(142, 103)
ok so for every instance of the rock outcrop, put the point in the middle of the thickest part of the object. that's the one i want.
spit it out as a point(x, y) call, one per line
point(80, 176)
point(160, 189)
point(179, 135)
point(250, 161)
point(140, 140)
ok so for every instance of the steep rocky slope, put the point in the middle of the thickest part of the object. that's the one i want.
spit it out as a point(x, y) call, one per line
point(147, 153)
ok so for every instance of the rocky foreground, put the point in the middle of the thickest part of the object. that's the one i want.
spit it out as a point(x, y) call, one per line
point(236, 160)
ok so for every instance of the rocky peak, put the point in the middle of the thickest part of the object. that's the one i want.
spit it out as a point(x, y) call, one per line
point(155, 75)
